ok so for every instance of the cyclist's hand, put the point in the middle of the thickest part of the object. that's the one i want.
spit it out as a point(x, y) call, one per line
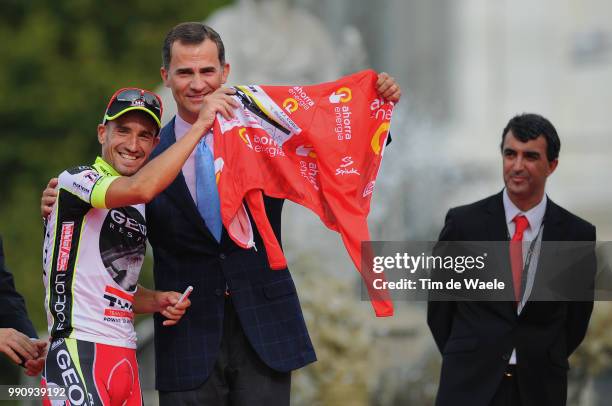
point(35, 366)
point(48, 199)
point(170, 308)
point(220, 101)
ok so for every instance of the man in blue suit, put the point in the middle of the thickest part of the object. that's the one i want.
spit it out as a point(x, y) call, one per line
point(245, 331)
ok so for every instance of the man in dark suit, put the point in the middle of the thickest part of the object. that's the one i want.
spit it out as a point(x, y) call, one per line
point(514, 352)
point(245, 331)
point(16, 329)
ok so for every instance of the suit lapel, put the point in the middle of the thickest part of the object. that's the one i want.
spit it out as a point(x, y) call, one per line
point(496, 219)
point(553, 224)
point(553, 231)
point(178, 191)
point(497, 231)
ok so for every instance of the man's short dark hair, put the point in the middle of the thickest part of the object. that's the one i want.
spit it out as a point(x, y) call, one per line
point(530, 126)
point(191, 34)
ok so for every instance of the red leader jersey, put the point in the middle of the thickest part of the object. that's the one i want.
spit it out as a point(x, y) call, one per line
point(319, 146)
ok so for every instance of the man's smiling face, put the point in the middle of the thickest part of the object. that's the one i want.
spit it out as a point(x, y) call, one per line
point(525, 169)
point(194, 72)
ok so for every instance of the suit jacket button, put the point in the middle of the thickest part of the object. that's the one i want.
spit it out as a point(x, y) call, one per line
point(222, 256)
point(218, 292)
point(506, 357)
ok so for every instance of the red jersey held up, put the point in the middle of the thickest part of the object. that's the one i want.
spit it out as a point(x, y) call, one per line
point(319, 146)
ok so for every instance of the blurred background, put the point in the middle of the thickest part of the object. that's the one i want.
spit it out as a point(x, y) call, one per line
point(465, 66)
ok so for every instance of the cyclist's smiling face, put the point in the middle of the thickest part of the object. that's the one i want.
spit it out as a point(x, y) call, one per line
point(128, 141)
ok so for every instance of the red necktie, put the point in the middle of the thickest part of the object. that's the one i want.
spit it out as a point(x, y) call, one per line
point(516, 254)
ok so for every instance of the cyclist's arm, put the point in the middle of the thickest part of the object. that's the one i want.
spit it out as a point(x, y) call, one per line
point(156, 175)
point(166, 303)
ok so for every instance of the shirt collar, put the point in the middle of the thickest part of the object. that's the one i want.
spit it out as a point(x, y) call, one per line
point(180, 127)
point(102, 166)
point(535, 215)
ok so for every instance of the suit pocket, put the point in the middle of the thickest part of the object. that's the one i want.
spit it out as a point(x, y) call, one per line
point(463, 344)
point(280, 288)
point(558, 362)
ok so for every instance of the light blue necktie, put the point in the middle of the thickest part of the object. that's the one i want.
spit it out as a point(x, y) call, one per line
point(206, 189)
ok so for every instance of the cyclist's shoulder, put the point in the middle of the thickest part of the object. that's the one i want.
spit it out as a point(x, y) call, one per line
point(79, 180)
point(77, 170)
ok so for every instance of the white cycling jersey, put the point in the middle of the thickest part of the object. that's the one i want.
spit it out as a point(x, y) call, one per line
point(91, 260)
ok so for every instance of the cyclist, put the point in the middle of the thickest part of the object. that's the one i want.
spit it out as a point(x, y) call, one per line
point(95, 242)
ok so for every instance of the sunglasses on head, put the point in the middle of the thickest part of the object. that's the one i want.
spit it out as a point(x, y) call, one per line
point(132, 95)
point(133, 99)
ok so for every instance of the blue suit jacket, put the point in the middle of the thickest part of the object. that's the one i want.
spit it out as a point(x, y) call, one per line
point(186, 253)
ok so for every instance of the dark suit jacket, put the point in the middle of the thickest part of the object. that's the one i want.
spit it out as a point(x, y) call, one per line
point(476, 338)
point(13, 313)
point(186, 253)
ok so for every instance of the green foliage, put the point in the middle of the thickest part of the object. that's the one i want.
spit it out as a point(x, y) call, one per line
point(61, 62)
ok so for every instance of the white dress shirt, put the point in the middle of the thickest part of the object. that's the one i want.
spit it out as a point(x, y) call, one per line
point(180, 129)
point(535, 216)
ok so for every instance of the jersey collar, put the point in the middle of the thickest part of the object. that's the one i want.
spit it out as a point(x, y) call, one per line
point(102, 166)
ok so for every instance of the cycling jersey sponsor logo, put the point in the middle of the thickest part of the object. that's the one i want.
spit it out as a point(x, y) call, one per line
point(91, 176)
point(290, 105)
point(71, 378)
point(128, 224)
point(122, 245)
point(56, 344)
point(60, 304)
point(310, 171)
point(342, 95)
point(306, 150)
point(80, 188)
point(378, 138)
point(245, 137)
point(118, 298)
point(343, 126)
point(368, 189)
point(380, 110)
point(116, 315)
point(119, 305)
point(78, 169)
point(346, 167)
point(65, 245)
point(218, 168)
point(300, 97)
point(264, 143)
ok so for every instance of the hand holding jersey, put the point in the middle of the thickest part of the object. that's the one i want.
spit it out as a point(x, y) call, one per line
point(220, 101)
